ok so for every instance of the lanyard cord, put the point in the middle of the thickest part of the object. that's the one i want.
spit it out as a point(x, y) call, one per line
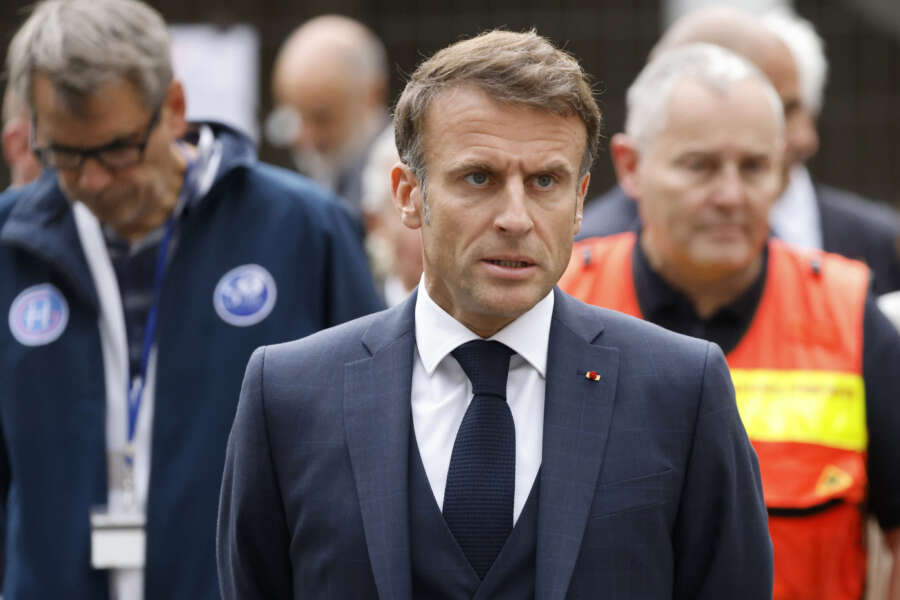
point(138, 383)
point(135, 391)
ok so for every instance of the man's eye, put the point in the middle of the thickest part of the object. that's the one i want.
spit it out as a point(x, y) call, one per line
point(753, 166)
point(477, 178)
point(699, 165)
point(544, 181)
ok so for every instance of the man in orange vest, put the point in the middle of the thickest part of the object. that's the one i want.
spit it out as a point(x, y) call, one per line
point(814, 362)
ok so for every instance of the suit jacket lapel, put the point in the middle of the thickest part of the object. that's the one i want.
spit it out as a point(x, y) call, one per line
point(577, 415)
point(377, 422)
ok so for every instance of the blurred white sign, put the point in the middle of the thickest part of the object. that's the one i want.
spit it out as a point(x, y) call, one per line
point(672, 9)
point(220, 71)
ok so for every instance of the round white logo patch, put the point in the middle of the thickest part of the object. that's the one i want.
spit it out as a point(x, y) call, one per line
point(38, 315)
point(245, 295)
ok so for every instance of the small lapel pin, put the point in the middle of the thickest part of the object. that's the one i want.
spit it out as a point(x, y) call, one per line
point(593, 376)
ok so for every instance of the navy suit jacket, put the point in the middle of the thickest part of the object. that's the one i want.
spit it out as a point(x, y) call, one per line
point(851, 226)
point(649, 487)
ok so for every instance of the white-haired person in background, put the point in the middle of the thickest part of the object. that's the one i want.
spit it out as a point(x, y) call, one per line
point(807, 214)
point(813, 360)
point(395, 251)
point(810, 213)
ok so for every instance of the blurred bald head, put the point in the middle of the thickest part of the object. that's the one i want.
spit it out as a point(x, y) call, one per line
point(332, 71)
point(747, 35)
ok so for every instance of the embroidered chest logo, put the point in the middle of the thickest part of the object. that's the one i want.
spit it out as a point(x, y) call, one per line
point(245, 295)
point(38, 315)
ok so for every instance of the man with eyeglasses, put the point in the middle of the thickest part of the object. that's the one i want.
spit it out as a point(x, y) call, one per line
point(138, 274)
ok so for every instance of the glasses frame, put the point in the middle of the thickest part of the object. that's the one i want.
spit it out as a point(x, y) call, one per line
point(82, 154)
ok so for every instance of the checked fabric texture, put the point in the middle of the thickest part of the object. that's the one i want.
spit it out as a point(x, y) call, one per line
point(478, 500)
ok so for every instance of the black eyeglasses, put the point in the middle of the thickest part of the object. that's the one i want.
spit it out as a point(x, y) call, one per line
point(114, 156)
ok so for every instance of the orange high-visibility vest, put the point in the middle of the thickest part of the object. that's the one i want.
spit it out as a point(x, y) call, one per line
point(797, 376)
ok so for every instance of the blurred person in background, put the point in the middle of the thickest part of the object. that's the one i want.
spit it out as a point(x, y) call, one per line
point(395, 251)
point(330, 82)
point(814, 362)
point(787, 49)
point(815, 215)
point(23, 165)
point(139, 273)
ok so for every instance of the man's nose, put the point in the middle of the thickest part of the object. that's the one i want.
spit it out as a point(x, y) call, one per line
point(311, 137)
point(93, 176)
point(730, 186)
point(514, 217)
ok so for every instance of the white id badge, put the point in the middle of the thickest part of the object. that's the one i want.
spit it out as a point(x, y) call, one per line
point(118, 540)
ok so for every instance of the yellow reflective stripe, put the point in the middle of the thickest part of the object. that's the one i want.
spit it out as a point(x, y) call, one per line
point(816, 407)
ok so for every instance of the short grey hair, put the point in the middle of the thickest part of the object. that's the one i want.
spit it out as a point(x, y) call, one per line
point(649, 96)
point(808, 51)
point(521, 69)
point(13, 107)
point(81, 45)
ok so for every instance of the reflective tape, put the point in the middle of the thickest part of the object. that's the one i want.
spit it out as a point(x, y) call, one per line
point(815, 407)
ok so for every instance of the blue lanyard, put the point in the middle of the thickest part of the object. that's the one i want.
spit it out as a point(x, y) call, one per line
point(136, 389)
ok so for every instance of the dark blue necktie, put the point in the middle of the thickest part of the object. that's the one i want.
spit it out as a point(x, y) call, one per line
point(478, 499)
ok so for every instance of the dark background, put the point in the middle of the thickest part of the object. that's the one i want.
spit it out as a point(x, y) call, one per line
point(859, 126)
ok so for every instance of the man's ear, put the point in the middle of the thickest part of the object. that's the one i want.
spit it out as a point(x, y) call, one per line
point(15, 140)
point(407, 195)
point(580, 193)
point(176, 109)
point(625, 157)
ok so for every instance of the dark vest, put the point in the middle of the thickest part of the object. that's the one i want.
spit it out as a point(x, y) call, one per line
point(440, 570)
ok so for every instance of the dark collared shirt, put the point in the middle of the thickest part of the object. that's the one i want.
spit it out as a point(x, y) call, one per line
point(664, 305)
point(669, 308)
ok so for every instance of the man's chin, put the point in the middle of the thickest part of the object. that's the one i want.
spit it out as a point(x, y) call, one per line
point(722, 261)
point(511, 301)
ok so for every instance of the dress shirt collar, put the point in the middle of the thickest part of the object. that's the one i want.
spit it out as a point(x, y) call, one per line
point(438, 334)
point(795, 215)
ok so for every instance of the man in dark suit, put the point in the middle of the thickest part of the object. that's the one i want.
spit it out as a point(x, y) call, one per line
point(491, 437)
point(809, 214)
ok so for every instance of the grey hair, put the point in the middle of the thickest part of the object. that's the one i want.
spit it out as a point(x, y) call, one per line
point(80, 45)
point(808, 51)
point(13, 106)
point(517, 69)
point(649, 96)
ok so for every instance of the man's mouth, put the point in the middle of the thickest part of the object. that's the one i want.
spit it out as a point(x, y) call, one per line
point(510, 264)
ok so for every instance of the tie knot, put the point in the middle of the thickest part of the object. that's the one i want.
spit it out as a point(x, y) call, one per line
point(486, 364)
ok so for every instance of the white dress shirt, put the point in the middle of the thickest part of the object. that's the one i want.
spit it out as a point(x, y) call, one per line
point(441, 391)
point(795, 215)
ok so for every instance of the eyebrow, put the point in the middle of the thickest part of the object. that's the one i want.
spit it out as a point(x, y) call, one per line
point(556, 167)
point(466, 166)
point(471, 165)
